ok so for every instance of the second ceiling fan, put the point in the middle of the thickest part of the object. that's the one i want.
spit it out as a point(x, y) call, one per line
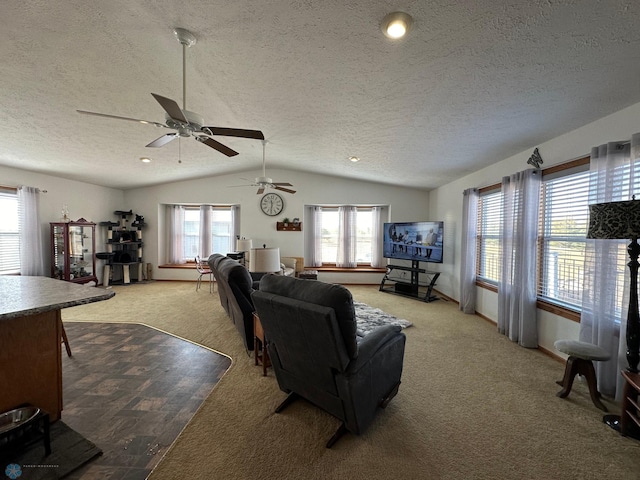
point(265, 182)
point(184, 122)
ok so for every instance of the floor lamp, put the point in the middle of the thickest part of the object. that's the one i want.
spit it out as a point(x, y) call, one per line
point(621, 220)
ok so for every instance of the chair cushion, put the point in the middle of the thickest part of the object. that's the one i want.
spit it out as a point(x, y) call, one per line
point(584, 350)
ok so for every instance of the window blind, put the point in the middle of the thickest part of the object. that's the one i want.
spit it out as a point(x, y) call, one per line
point(489, 232)
point(563, 229)
point(9, 233)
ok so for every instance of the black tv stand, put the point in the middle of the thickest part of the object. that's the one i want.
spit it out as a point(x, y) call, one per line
point(413, 287)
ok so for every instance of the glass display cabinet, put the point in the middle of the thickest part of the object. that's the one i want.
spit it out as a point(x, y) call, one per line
point(73, 246)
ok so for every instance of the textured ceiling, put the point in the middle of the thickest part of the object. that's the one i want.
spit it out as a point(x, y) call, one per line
point(473, 83)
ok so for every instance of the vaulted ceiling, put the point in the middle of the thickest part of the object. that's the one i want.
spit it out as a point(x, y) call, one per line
point(474, 82)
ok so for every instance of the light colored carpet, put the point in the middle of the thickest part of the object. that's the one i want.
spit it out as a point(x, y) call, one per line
point(472, 404)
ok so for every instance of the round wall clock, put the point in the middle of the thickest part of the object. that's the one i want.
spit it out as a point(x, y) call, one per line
point(271, 204)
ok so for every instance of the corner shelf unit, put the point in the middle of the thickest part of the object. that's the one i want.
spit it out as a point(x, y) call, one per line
point(124, 249)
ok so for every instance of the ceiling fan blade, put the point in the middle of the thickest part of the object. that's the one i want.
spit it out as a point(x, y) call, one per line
point(284, 189)
point(163, 140)
point(236, 132)
point(260, 191)
point(217, 146)
point(84, 112)
point(282, 184)
point(171, 107)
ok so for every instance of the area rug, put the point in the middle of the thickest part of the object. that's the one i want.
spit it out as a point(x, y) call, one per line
point(69, 451)
point(369, 318)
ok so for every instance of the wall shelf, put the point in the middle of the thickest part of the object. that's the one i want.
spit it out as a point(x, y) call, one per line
point(289, 227)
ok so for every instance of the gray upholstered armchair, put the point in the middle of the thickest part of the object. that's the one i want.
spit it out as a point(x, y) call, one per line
point(310, 329)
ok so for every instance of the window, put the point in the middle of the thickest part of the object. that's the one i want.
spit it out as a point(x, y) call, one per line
point(330, 235)
point(564, 217)
point(489, 232)
point(220, 233)
point(9, 232)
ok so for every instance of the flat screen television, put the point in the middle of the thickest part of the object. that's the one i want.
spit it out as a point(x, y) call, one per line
point(416, 241)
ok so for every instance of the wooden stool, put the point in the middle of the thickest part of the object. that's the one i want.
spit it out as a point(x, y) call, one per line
point(580, 361)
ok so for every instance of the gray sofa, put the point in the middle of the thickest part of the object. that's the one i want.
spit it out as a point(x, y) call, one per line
point(235, 286)
point(310, 331)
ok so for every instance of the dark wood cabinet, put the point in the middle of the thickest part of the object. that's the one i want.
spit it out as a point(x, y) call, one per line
point(73, 246)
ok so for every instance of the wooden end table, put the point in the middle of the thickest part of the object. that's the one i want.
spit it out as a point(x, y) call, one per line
point(260, 353)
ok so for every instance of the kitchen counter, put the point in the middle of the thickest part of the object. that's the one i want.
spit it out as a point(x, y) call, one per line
point(30, 338)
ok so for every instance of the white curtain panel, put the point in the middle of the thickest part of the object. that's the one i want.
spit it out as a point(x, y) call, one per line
point(614, 176)
point(205, 247)
point(377, 219)
point(312, 235)
point(469, 251)
point(347, 237)
point(517, 287)
point(31, 253)
point(176, 234)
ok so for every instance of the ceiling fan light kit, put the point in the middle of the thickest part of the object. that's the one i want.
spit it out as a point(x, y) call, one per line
point(396, 25)
point(184, 122)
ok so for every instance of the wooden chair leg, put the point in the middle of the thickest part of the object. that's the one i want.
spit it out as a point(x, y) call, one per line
point(578, 366)
point(65, 340)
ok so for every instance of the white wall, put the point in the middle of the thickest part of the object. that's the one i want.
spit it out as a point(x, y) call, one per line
point(446, 203)
point(84, 200)
point(405, 204)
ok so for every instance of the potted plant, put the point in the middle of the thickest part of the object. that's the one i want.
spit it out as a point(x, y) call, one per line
point(285, 220)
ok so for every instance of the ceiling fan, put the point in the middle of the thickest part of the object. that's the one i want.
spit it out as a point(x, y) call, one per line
point(186, 123)
point(264, 182)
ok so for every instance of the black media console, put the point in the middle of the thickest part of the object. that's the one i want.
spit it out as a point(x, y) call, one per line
point(412, 288)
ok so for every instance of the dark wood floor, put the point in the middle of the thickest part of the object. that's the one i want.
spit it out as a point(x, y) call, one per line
point(131, 389)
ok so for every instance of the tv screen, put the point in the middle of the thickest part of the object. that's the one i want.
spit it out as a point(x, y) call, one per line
point(421, 241)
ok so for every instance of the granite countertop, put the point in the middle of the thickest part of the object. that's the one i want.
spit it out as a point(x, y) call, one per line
point(21, 296)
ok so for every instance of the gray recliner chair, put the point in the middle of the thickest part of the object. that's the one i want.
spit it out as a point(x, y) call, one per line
point(310, 330)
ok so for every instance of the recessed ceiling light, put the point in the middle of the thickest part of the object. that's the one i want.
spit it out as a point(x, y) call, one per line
point(396, 25)
point(354, 159)
point(145, 159)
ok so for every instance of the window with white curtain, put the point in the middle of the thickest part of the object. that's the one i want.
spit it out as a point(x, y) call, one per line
point(564, 216)
point(365, 234)
point(9, 232)
point(330, 234)
point(220, 233)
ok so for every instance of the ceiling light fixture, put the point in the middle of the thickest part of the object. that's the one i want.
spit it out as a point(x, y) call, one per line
point(354, 159)
point(145, 159)
point(396, 25)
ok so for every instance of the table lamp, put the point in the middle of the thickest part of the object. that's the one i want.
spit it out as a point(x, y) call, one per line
point(264, 260)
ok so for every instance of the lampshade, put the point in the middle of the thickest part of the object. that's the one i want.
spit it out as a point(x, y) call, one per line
point(264, 260)
point(613, 220)
point(243, 245)
point(396, 25)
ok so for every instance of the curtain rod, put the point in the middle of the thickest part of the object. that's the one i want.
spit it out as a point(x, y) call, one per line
point(16, 188)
